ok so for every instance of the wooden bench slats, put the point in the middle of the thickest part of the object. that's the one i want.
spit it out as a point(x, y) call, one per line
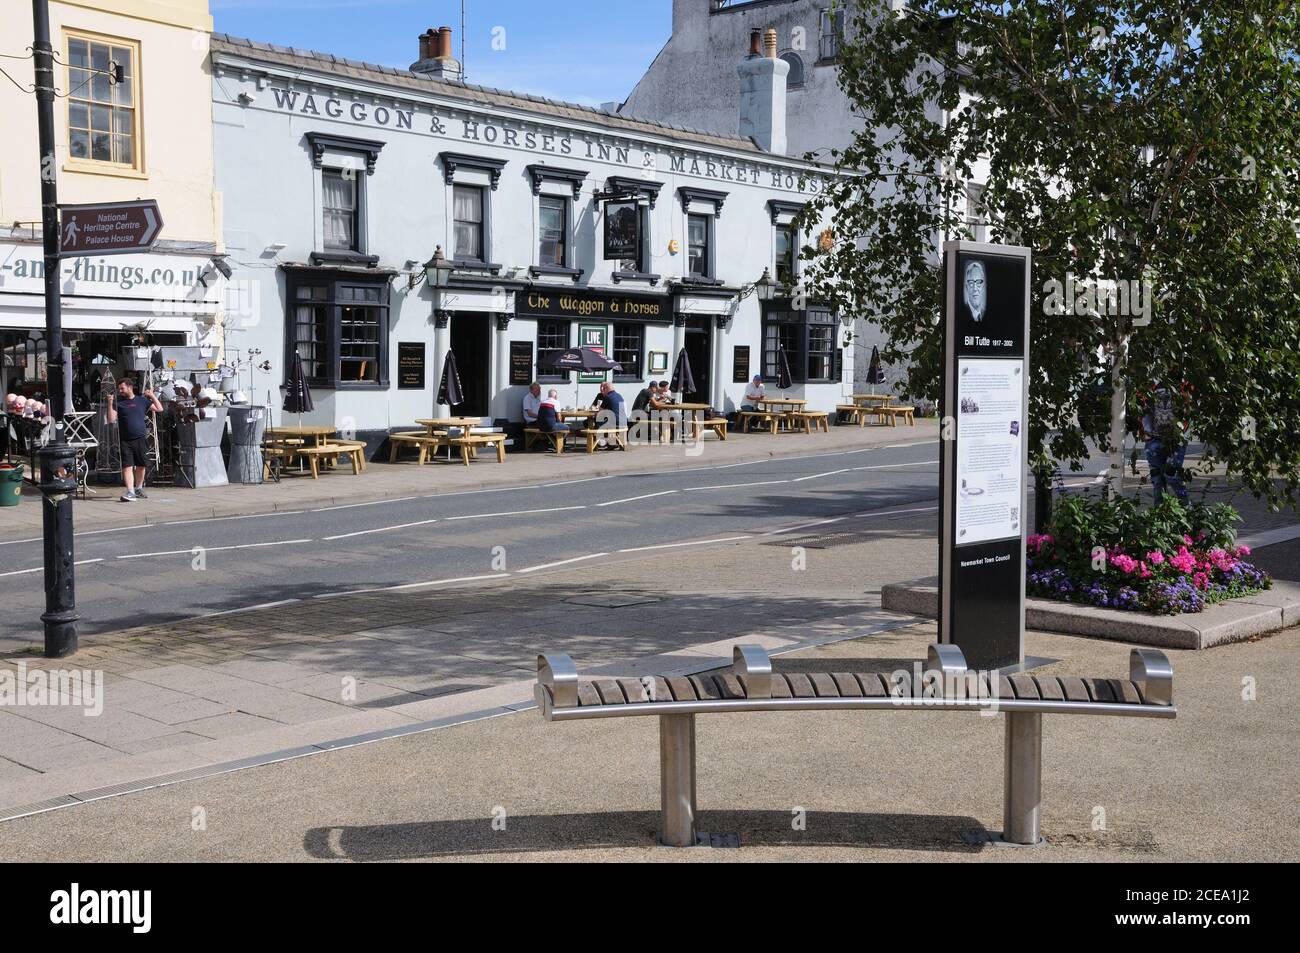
point(610, 692)
point(1099, 689)
point(847, 685)
point(873, 686)
point(681, 688)
point(824, 685)
point(1049, 689)
point(800, 685)
point(1075, 690)
point(1025, 687)
point(726, 685)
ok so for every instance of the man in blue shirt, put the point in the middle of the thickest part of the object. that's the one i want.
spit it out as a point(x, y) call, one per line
point(613, 411)
point(128, 412)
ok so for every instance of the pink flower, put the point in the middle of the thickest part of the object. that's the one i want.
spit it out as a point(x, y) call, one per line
point(1187, 539)
point(1200, 580)
point(1124, 563)
point(1243, 550)
point(1156, 557)
point(1184, 562)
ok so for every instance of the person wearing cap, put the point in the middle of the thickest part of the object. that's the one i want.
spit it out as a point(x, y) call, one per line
point(754, 394)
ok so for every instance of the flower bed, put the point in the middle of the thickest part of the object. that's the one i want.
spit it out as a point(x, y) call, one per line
point(1167, 559)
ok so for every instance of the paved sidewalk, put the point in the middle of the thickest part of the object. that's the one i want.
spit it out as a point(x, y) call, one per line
point(405, 479)
point(239, 685)
point(1216, 784)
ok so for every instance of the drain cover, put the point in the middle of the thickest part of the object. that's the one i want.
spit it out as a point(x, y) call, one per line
point(612, 600)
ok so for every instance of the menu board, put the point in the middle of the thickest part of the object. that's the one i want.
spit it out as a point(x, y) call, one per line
point(410, 365)
point(990, 450)
point(521, 362)
point(740, 365)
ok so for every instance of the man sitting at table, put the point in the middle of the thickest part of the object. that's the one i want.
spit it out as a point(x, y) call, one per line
point(532, 401)
point(549, 419)
point(613, 412)
point(643, 398)
point(754, 394)
point(665, 395)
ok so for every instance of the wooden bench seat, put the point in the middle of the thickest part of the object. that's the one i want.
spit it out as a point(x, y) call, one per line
point(769, 418)
point(421, 441)
point(474, 442)
point(851, 414)
point(908, 414)
point(946, 684)
point(614, 435)
point(330, 452)
point(556, 438)
point(810, 420)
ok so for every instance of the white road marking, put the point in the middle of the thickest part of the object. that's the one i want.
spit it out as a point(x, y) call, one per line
point(224, 519)
point(700, 542)
point(484, 516)
point(264, 605)
point(23, 572)
point(818, 476)
point(444, 582)
point(563, 562)
point(892, 466)
point(633, 499)
point(218, 549)
point(735, 486)
point(354, 506)
point(382, 529)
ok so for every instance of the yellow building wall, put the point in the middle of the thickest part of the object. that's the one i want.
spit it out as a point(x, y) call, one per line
point(175, 104)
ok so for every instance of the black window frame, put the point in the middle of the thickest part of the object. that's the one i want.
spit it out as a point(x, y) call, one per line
point(566, 221)
point(796, 330)
point(358, 239)
point(485, 253)
point(793, 253)
point(555, 324)
point(707, 221)
point(333, 295)
point(632, 370)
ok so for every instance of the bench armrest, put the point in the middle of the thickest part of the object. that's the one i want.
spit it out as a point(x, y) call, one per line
point(948, 659)
point(1154, 675)
point(752, 662)
point(557, 673)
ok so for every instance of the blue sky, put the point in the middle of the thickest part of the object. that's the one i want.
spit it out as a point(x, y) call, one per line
point(583, 51)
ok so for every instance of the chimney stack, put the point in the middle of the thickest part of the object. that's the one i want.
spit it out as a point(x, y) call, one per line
point(763, 77)
point(435, 59)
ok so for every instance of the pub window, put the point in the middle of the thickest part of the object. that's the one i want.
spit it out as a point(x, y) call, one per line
point(340, 330)
point(552, 336)
point(639, 263)
point(553, 227)
point(468, 220)
point(697, 242)
point(808, 338)
point(341, 209)
point(629, 340)
point(976, 213)
point(103, 115)
point(787, 246)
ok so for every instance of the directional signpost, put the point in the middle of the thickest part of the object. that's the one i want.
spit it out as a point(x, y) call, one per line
point(110, 228)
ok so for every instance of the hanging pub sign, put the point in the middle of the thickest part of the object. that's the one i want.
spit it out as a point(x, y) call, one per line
point(985, 452)
point(410, 365)
point(521, 362)
point(622, 230)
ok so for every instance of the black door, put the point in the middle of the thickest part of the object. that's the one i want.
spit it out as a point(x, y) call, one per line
point(470, 342)
point(699, 351)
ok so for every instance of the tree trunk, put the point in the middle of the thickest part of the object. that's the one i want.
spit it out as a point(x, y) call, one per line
point(1042, 500)
point(1118, 418)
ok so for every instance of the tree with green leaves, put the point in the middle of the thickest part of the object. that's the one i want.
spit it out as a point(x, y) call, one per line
point(1149, 143)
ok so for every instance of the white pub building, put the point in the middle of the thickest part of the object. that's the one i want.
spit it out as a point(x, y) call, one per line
point(341, 180)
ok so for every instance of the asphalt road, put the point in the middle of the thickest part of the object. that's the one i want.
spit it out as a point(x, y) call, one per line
point(178, 570)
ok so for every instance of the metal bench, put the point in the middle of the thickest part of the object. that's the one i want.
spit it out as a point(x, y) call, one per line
point(752, 686)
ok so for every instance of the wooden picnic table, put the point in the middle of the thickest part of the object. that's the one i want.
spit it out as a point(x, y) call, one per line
point(443, 423)
point(869, 399)
point(695, 414)
point(781, 403)
point(317, 433)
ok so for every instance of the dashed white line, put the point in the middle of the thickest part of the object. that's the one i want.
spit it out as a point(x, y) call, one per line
point(382, 529)
point(264, 605)
point(563, 562)
point(218, 549)
point(445, 582)
point(700, 542)
point(227, 519)
point(818, 476)
point(633, 499)
point(484, 516)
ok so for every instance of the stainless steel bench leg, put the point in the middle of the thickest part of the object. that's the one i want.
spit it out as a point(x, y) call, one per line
point(677, 780)
point(1022, 779)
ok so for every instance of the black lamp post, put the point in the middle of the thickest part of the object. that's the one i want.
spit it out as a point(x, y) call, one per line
point(57, 460)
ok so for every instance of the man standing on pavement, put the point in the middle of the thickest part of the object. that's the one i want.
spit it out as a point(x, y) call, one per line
point(128, 412)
